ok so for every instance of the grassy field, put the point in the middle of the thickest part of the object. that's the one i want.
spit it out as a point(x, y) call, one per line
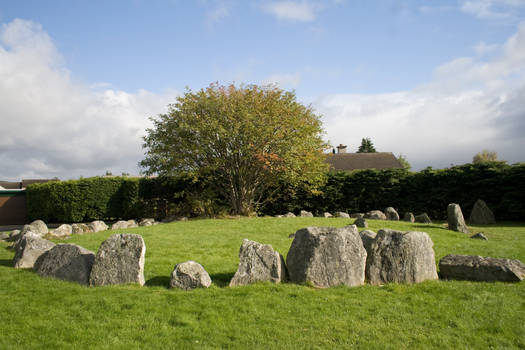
point(40, 313)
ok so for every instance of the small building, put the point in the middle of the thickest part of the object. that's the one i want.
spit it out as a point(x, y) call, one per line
point(358, 161)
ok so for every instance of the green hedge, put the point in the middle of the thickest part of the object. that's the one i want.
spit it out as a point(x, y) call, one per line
point(430, 191)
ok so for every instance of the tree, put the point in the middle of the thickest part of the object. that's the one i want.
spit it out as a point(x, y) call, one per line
point(485, 156)
point(245, 140)
point(404, 162)
point(366, 146)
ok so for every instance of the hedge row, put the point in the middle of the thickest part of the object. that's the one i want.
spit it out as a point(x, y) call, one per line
point(430, 191)
point(498, 184)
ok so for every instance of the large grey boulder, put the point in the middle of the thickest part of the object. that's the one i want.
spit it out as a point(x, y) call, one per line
point(480, 235)
point(38, 227)
point(4, 236)
point(341, 214)
point(367, 236)
point(423, 219)
point(327, 257)
point(147, 222)
point(28, 250)
point(289, 215)
point(481, 214)
point(14, 236)
point(189, 275)
point(97, 226)
point(124, 224)
point(306, 214)
point(327, 215)
point(361, 222)
point(391, 214)
point(68, 262)
point(375, 215)
point(357, 215)
point(455, 219)
point(61, 231)
point(409, 217)
point(78, 229)
point(120, 259)
point(401, 257)
point(478, 268)
point(258, 263)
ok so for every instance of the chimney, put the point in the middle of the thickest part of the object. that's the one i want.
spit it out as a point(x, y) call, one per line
point(341, 148)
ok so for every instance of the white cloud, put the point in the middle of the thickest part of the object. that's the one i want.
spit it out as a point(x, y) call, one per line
point(482, 48)
point(491, 9)
point(301, 11)
point(53, 126)
point(285, 81)
point(469, 105)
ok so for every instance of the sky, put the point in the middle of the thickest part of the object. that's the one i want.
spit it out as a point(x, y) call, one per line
point(434, 81)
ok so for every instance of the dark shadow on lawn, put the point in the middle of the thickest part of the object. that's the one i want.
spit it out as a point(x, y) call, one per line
point(431, 226)
point(158, 281)
point(222, 279)
point(5, 262)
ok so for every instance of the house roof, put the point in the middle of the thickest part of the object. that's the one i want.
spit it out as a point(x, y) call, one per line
point(356, 161)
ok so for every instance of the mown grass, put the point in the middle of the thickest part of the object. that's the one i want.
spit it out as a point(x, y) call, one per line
point(40, 313)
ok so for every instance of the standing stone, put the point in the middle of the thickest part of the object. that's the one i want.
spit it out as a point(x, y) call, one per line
point(63, 230)
point(423, 218)
point(189, 275)
point(327, 215)
point(479, 235)
point(375, 215)
point(120, 259)
point(97, 226)
point(38, 227)
point(258, 263)
point(147, 222)
point(401, 257)
point(481, 214)
point(306, 214)
point(361, 222)
point(391, 214)
point(327, 257)
point(68, 262)
point(289, 215)
point(478, 268)
point(341, 214)
point(28, 249)
point(368, 236)
point(455, 218)
point(409, 217)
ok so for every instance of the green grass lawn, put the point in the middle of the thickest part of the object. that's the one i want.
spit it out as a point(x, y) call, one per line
point(41, 313)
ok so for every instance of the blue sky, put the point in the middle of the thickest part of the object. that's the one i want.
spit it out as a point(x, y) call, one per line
point(436, 81)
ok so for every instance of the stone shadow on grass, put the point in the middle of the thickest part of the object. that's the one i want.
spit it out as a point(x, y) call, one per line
point(222, 279)
point(159, 281)
point(5, 262)
point(422, 226)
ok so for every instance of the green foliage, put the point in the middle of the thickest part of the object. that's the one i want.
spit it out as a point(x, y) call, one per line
point(366, 146)
point(242, 140)
point(404, 162)
point(430, 191)
point(44, 313)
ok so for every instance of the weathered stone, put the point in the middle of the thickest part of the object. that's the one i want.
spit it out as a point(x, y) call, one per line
point(409, 217)
point(423, 218)
point(173, 218)
point(455, 218)
point(306, 214)
point(120, 259)
point(278, 216)
point(327, 215)
point(68, 262)
point(478, 268)
point(289, 215)
point(361, 222)
point(401, 257)
point(357, 215)
point(258, 263)
point(291, 235)
point(147, 222)
point(119, 225)
point(327, 257)
point(78, 229)
point(14, 236)
point(63, 230)
point(28, 249)
point(367, 236)
point(189, 275)
point(132, 224)
point(375, 215)
point(340, 214)
point(38, 227)
point(479, 235)
point(4, 236)
point(481, 214)
point(97, 226)
point(391, 214)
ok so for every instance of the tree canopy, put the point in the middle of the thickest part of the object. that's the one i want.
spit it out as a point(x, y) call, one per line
point(366, 146)
point(485, 156)
point(243, 139)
